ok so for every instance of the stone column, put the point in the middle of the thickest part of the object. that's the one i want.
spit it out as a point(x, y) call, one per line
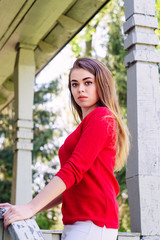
point(143, 105)
point(24, 75)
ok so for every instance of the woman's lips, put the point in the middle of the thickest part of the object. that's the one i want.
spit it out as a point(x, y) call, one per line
point(82, 97)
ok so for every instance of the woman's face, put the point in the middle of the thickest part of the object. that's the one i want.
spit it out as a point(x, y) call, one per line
point(84, 90)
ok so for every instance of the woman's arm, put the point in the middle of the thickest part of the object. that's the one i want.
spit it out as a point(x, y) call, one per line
point(52, 204)
point(20, 212)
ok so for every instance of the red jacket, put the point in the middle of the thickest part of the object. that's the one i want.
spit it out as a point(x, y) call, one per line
point(87, 162)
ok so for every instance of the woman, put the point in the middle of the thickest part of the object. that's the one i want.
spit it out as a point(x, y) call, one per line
point(89, 156)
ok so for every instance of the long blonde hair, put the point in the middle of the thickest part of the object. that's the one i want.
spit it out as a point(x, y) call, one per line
point(107, 98)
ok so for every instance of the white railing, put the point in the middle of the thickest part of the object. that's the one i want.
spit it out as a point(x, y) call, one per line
point(56, 235)
point(28, 229)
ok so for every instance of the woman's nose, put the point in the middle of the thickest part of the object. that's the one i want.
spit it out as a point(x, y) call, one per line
point(81, 88)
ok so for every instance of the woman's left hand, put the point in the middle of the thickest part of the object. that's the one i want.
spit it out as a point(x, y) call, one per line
point(17, 213)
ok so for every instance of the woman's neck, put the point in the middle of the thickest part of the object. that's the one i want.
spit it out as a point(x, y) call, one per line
point(86, 111)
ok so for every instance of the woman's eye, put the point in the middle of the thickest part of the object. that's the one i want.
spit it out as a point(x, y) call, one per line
point(88, 82)
point(74, 84)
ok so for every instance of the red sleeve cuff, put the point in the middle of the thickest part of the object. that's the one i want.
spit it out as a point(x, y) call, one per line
point(65, 178)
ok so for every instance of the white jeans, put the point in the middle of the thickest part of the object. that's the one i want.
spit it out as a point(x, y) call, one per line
point(87, 230)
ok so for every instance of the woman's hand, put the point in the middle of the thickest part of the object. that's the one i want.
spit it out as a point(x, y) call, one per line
point(5, 205)
point(16, 213)
point(46, 197)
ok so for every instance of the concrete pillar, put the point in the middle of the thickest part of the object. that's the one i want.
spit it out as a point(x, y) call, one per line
point(24, 75)
point(143, 113)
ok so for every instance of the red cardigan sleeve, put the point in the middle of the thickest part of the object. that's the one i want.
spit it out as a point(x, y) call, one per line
point(97, 130)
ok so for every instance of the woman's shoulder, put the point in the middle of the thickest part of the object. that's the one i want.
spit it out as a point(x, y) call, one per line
point(100, 111)
point(101, 119)
point(103, 110)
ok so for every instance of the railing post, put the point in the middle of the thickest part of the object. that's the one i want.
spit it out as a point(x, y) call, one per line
point(24, 75)
point(143, 109)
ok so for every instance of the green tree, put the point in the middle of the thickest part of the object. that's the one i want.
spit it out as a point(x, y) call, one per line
point(115, 49)
point(82, 43)
point(45, 132)
point(6, 153)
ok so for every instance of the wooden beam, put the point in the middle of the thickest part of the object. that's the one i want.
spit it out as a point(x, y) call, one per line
point(47, 48)
point(41, 19)
point(69, 24)
point(15, 14)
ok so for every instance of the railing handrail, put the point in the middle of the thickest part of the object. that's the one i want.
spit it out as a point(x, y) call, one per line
point(28, 229)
